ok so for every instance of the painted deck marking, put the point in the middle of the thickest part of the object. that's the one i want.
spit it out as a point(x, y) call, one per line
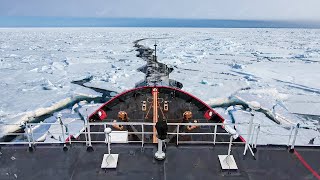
point(301, 159)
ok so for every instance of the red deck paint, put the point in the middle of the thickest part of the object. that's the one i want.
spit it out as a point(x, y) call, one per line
point(301, 159)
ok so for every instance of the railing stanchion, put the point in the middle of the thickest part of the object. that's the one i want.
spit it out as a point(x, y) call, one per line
point(87, 126)
point(28, 135)
point(252, 135)
point(32, 136)
point(178, 129)
point(62, 134)
point(67, 127)
point(89, 135)
point(249, 134)
point(142, 136)
point(228, 161)
point(89, 145)
point(294, 137)
point(256, 140)
point(290, 135)
point(85, 134)
point(215, 134)
point(230, 144)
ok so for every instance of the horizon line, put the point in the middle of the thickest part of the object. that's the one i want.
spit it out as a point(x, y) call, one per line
point(54, 21)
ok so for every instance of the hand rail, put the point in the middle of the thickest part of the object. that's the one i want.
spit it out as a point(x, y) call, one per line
point(65, 135)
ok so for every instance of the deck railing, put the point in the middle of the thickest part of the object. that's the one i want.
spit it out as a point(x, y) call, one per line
point(62, 133)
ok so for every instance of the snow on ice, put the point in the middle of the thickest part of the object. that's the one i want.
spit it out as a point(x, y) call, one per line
point(276, 67)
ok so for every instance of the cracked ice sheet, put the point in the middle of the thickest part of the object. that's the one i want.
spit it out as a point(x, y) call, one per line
point(300, 79)
point(217, 63)
point(207, 83)
point(71, 119)
point(224, 58)
point(271, 133)
point(37, 65)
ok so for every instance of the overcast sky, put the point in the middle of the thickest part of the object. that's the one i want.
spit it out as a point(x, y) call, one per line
point(205, 9)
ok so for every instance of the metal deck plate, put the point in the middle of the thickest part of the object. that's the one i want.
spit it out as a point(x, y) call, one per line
point(227, 162)
point(109, 161)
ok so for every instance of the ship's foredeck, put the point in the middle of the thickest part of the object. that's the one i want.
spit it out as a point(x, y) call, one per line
point(153, 104)
point(182, 162)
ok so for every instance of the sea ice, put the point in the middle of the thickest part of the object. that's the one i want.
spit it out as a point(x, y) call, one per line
point(38, 65)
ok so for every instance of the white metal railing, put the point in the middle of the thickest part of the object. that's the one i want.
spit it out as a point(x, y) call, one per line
point(251, 136)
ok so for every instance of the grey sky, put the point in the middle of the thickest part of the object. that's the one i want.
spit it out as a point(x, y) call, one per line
point(211, 9)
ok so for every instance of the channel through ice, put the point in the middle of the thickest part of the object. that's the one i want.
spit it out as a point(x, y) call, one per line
point(279, 68)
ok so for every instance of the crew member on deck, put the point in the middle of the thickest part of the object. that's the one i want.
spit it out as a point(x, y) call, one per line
point(187, 118)
point(123, 117)
point(162, 129)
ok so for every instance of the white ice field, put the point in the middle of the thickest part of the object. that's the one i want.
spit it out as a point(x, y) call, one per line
point(275, 67)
